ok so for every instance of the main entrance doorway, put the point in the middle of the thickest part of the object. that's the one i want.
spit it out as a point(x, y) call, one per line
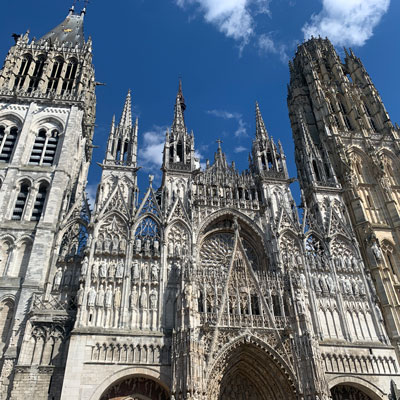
point(248, 372)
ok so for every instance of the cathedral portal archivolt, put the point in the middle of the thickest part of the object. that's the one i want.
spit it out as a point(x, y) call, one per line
point(248, 371)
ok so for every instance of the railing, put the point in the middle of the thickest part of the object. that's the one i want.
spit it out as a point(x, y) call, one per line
point(50, 302)
point(243, 320)
point(67, 96)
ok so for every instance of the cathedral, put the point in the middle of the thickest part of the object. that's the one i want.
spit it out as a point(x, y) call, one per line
point(213, 286)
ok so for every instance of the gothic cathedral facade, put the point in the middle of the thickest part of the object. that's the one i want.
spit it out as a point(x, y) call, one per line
point(210, 287)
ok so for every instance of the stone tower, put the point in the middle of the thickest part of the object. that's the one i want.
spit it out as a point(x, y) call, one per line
point(209, 287)
point(47, 116)
point(347, 154)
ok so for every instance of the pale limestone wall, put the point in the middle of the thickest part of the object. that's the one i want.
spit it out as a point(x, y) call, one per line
point(86, 377)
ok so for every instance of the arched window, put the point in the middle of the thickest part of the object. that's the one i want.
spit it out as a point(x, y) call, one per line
point(55, 75)
point(7, 143)
point(6, 252)
point(70, 75)
point(316, 170)
point(23, 71)
point(6, 318)
point(37, 73)
point(179, 151)
point(39, 202)
point(20, 203)
point(122, 151)
point(44, 148)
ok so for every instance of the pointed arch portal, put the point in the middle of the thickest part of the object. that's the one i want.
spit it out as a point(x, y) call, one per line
point(136, 388)
point(249, 373)
point(350, 392)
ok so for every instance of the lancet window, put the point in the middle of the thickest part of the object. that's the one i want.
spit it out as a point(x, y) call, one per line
point(55, 75)
point(45, 147)
point(39, 202)
point(8, 138)
point(73, 241)
point(6, 319)
point(70, 75)
point(147, 236)
point(23, 71)
point(6, 254)
point(21, 201)
point(37, 73)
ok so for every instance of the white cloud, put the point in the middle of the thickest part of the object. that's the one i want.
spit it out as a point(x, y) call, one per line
point(267, 45)
point(152, 148)
point(241, 129)
point(234, 18)
point(224, 114)
point(347, 22)
point(91, 191)
point(240, 149)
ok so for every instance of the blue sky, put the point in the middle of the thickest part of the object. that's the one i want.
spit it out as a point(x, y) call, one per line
point(229, 53)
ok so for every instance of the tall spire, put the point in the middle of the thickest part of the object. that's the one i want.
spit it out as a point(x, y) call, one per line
point(122, 141)
point(126, 117)
point(261, 131)
point(180, 106)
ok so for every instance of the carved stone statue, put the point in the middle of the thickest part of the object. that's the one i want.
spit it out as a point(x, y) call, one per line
point(103, 271)
point(177, 250)
point(300, 301)
point(317, 286)
point(117, 298)
point(376, 250)
point(347, 286)
point(145, 271)
point(331, 284)
point(91, 297)
point(361, 287)
point(154, 272)
point(138, 245)
point(136, 271)
point(108, 297)
point(303, 281)
point(95, 271)
point(115, 244)
point(120, 270)
point(323, 284)
point(85, 266)
point(153, 300)
point(111, 270)
point(57, 279)
point(143, 298)
point(100, 297)
point(134, 298)
point(147, 246)
point(79, 295)
point(354, 285)
point(156, 245)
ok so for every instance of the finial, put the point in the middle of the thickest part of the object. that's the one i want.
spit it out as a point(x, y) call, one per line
point(180, 95)
point(126, 117)
point(219, 141)
point(72, 8)
point(151, 178)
